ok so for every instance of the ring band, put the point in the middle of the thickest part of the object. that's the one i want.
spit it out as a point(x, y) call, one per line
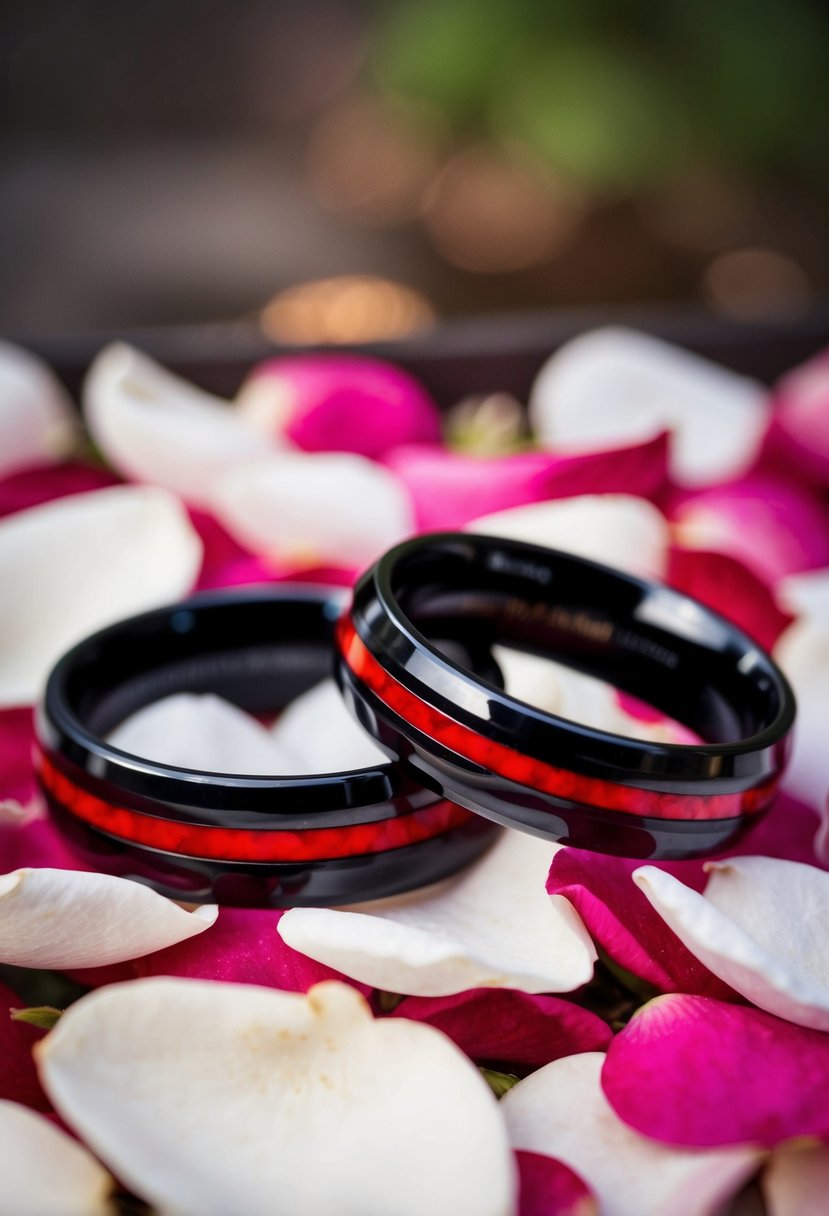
point(466, 738)
point(282, 840)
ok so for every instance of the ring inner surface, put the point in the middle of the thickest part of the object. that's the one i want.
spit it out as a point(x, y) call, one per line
point(649, 641)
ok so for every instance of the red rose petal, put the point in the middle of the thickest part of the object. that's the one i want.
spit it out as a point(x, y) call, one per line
point(621, 920)
point(507, 1027)
point(18, 1075)
point(730, 588)
point(550, 1188)
point(242, 947)
point(41, 483)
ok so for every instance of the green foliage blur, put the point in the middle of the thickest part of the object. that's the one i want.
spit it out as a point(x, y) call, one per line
point(617, 96)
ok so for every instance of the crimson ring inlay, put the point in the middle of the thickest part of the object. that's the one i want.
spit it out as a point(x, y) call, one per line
point(469, 740)
point(281, 840)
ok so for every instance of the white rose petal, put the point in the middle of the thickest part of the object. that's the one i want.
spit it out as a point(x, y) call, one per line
point(211, 1099)
point(615, 386)
point(618, 530)
point(805, 594)
point(560, 1111)
point(38, 423)
point(153, 426)
point(68, 918)
point(320, 508)
point(320, 734)
point(760, 926)
point(204, 732)
point(74, 565)
point(570, 694)
point(796, 1181)
point(44, 1172)
point(493, 926)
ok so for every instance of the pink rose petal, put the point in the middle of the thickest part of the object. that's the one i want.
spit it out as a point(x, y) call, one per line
point(561, 1111)
point(770, 524)
point(339, 403)
point(35, 842)
point(507, 1027)
point(550, 1188)
point(17, 778)
point(759, 926)
point(620, 919)
point(226, 563)
point(796, 1181)
point(801, 422)
point(242, 947)
point(789, 830)
point(730, 588)
point(18, 1075)
point(688, 1070)
point(449, 490)
point(42, 483)
point(624, 923)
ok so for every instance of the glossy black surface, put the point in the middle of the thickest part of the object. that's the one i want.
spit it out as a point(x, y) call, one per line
point(533, 811)
point(657, 644)
point(258, 649)
point(323, 884)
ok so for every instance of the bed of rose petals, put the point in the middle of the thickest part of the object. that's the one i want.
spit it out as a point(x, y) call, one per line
point(658, 1035)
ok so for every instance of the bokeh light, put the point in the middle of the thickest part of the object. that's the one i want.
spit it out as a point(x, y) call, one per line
point(349, 308)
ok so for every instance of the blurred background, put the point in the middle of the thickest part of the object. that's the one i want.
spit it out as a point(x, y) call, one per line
point(330, 170)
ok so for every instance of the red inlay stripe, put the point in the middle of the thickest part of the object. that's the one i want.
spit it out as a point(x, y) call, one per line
point(246, 844)
point(526, 770)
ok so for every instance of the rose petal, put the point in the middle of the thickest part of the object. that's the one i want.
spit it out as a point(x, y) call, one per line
point(65, 918)
point(449, 490)
point(154, 427)
point(43, 483)
point(694, 1071)
point(617, 529)
point(803, 653)
point(321, 736)
point(216, 1098)
point(241, 947)
point(624, 923)
point(730, 588)
point(551, 1188)
point(560, 1111)
point(18, 1075)
point(344, 403)
point(37, 420)
point(225, 562)
point(33, 842)
point(493, 926)
point(571, 694)
point(771, 525)
point(17, 778)
point(202, 731)
point(805, 594)
point(46, 1171)
point(789, 829)
point(796, 1181)
point(504, 1027)
point(615, 386)
point(80, 563)
point(759, 926)
point(801, 423)
point(335, 508)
